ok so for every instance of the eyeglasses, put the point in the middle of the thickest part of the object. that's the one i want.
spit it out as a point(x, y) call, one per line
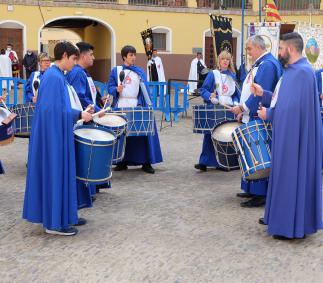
point(45, 60)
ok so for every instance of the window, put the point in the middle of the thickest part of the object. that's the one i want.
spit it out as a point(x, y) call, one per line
point(162, 37)
point(159, 40)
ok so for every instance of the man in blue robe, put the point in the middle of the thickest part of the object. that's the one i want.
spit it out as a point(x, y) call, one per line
point(80, 79)
point(294, 199)
point(142, 150)
point(50, 196)
point(266, 72)
point(1, 167)
point(33, 82)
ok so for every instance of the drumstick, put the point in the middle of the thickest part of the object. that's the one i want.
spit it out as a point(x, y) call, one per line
point(106, 101)
point(241, 150)
point(225, 106)
point(95, 114)
point(247, 144)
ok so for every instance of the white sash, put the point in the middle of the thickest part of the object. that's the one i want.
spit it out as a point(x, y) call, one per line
point(74, 99)
point(275, 94)
point(92, 89)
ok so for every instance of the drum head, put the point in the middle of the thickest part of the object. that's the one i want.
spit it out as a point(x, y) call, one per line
point(223, 132)
point(4, 113)
point(94, 134)
point(111, 120)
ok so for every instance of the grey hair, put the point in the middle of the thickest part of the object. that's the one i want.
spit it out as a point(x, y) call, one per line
point(258, 41)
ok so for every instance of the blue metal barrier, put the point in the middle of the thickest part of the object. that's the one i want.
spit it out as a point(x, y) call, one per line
point(160, 93)
point(161, 98)
point(10, 89)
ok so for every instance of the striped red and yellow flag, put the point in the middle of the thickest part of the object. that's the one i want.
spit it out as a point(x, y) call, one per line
point(271, 10)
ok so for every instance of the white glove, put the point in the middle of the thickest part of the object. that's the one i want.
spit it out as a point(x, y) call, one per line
point(214, 100)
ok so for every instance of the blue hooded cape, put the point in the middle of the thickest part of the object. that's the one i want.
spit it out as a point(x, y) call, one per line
point(207, 156)
point(143, 149)
point(268, 74)
point(50, 196)
point(77, 78)
point(294, 200)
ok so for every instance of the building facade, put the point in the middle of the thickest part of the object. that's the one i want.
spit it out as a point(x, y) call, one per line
point(180, 27)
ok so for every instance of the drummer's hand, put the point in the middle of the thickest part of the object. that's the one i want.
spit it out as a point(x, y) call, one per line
point(239, 117)
point(1, 98)
point(119, 88)
point(101, 114)
point(262, 113)
point(236, 110)
point(34, 99)
point(86, 116)
point(90, 109)
point(321, 96)
point(256, 89)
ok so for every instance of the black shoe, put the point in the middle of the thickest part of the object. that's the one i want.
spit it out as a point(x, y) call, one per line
point(244, 195)
point(148, 169)
point(81, 222)
point(93, 199)
point(121, 167)
point(254, 202)
point(69, 231)
point(283, 238)
point(262, 221)
point(200, 167)
point(97, 190)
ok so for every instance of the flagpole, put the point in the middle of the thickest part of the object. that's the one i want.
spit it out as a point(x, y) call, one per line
point(242, 29)
point(259, 10)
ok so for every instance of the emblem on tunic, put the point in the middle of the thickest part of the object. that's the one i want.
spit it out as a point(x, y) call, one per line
point(225, 88)
point(128, 80)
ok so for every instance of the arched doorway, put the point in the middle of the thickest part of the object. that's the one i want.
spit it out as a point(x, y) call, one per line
point(92, 30)
point(14, 32)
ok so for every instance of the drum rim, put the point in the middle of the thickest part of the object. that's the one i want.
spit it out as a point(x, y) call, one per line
point(89, 141)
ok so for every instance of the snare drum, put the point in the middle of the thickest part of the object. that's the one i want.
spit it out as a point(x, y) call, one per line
point(140, 120)
point(118, 124)
point(225, 152)
point(206, 117)
point(23, 121)
point(6, 131)
point(253, 142)
point(93, 152)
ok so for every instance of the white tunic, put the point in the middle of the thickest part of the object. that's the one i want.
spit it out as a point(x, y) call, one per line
point(193, 74)
point(160, 69)
point(225, 87)
point(129, 95)
point(5, 69)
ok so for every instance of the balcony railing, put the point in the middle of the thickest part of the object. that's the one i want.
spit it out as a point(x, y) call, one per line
point(161, 3)
point(86, 1)
point(223, 4)
point(293, 5)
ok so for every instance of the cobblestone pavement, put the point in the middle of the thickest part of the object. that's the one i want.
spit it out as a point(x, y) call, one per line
point(178, 225)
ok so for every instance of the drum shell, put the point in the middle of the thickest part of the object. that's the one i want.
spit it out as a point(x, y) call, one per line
point(120, 132)
point(6, 131)
point(23, 122)
point(258, 135)
point(140, 120)
point(207, 117)
point(225, 152)
point(93, 158)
